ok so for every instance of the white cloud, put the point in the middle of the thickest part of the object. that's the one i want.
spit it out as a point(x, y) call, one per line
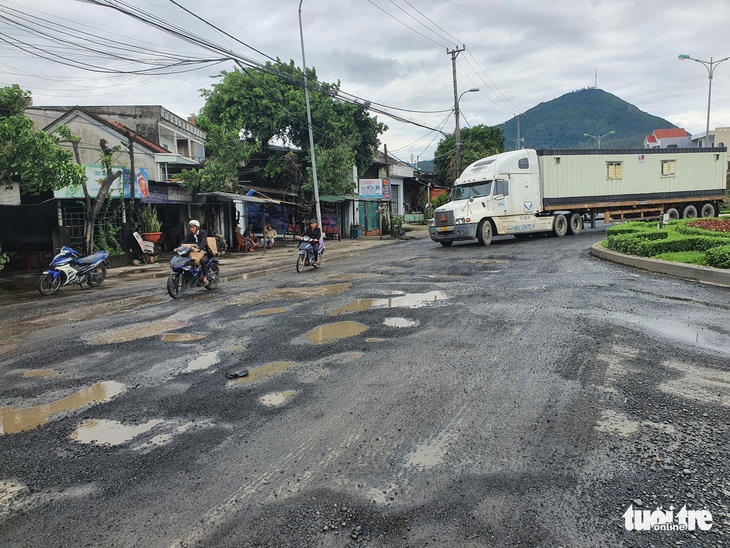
point(520, 53)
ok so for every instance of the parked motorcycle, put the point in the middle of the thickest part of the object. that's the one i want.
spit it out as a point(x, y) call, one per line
point(185, 274)
point(68, 267)
point(306, 252)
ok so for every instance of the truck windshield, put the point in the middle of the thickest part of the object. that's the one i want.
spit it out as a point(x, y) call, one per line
point(471, 190)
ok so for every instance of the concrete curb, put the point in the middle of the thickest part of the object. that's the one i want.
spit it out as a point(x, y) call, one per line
point(703, 274)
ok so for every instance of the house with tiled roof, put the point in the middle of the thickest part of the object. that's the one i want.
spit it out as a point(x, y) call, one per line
point(668, 138)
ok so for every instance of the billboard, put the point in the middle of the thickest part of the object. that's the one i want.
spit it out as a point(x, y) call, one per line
point(371, 188)
point(121, 186)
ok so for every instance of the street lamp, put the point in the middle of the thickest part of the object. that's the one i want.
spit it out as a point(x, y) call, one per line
point(457, 133)
point(309, 124)
point(599, 137)
point(710, 66)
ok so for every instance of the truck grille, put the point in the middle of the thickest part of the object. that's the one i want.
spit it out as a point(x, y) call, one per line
point(445, 218)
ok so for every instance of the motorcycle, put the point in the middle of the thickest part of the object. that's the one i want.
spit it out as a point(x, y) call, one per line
point(68, 267)
point(186, 274)
point(306, 252)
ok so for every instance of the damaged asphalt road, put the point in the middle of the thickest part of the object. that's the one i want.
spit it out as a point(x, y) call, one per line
point(521, 394)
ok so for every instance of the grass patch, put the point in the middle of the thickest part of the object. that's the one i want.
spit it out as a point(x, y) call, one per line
point(688, 257)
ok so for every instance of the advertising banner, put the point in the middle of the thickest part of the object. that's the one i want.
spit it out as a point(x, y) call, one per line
point(94, 175)
point(371, 188)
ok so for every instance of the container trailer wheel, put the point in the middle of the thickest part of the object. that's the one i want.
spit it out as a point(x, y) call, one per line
point(673, 213)
point(560, 226)
point(484, 232)
point(689, 212)
point(575, 226)
point(707, 211)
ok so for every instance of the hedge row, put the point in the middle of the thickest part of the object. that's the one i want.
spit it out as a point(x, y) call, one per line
point(643, 239)
point(719, 257)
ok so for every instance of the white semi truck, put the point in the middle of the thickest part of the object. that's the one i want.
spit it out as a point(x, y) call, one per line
point(526, 191)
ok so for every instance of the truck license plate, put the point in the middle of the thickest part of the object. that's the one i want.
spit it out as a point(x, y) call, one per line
point(444, 228)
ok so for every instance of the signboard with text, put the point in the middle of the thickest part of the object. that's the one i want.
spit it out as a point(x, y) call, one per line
point(94, 175)
point(371, 188)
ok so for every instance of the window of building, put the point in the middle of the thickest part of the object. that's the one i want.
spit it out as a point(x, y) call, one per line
point(669, 168)
point(614, 170)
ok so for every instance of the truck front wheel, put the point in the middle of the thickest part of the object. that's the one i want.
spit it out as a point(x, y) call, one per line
point(446, 244)
point(484, 232)
point(560, 226)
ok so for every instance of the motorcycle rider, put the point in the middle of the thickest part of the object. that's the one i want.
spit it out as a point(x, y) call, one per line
point(315, 233)
point(199, 237)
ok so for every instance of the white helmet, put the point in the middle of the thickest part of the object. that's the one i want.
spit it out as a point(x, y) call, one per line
point(193, 222)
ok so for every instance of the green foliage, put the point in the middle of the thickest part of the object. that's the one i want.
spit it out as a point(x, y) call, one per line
point(148, 219)
point(561, 123)
point(441, 200)
point(476, 143)
point(260, 104)
point(398, 225)
point(719, 257)
point(676, 242)
point(108, 229)
point(226, 153)
point(687, 257)
point(334, 170)
point(31, 158)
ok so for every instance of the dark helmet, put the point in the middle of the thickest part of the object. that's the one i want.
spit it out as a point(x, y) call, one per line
point(312, 221)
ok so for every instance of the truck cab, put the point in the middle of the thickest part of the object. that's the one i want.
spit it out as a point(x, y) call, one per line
point(495, 195)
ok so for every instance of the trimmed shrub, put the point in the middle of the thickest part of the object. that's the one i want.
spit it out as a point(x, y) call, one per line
point(719, 257)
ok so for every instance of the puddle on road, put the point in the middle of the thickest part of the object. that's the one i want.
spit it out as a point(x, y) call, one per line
point(267, 312)
point(141, 330)
point(276, 399)
point(399, 322)
point(291, 293)
point(202, 362)
point(182, 337)
point(263, 372)
point(13, 421)
point(412, 300)
point(332, 332)
point(374, 340)
point(34, 373)
point(108, 432)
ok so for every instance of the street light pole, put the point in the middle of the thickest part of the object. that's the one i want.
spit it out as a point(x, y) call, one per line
point(309, 124)
point(710, 66)
point(599, 137)
point(457, 132)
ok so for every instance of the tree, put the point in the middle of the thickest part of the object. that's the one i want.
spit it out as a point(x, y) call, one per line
point(476, 142)
point(261, 104)
point(32, 159)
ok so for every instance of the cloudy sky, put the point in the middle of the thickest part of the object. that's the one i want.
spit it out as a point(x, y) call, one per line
point(519, 53)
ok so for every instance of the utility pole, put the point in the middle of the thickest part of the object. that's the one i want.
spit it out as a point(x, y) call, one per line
point(457, 133)
point(518, 132)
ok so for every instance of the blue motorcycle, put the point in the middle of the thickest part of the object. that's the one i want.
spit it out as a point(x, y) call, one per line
point(187, 273)
point(306, 252)
point(68, 267)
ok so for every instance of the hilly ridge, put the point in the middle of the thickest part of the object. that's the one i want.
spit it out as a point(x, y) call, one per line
point(561, 123)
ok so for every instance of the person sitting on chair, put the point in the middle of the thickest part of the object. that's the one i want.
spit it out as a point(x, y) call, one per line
point(251, 239)
point(269, 237)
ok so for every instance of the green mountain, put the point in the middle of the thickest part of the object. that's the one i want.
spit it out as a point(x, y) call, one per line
point(562, 122)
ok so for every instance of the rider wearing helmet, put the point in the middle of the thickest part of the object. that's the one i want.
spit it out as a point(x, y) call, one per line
point(199, 237)
point(315, 233)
